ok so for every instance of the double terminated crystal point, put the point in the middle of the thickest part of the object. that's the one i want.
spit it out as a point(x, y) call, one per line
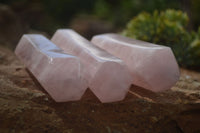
point(107, 76)
point(66, 77)
point(153, 67)
point(57, 72)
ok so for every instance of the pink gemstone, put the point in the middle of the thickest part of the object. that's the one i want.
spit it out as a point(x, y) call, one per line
point(107, 76)
point(153, 67)
point(59, 73)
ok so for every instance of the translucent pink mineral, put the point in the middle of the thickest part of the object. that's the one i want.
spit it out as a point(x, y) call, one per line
point(107, 76)
point(153, 67)
point(59, 73)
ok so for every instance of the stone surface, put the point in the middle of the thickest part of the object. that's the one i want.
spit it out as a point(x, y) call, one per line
point(153, 67)
point(23, 103)
point(107, 76)
point(59, 73)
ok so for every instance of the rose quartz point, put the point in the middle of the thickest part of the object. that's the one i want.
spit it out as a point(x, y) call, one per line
point(56, 71)
point(153, 67)
point(107, 76)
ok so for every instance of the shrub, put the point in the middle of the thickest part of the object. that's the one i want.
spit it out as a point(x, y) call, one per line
point(119, 11)
point(168, 28)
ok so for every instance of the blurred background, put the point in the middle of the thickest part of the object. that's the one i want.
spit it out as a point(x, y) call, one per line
point(167, 22)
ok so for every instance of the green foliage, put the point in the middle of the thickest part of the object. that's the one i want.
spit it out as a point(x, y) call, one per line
point(120, 11)
point(55, 14)
point(168, 28)
point(194, 11)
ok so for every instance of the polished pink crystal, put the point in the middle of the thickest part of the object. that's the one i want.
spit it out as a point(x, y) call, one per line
point(59, 73)
point(107, 76)
point(153, 67)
